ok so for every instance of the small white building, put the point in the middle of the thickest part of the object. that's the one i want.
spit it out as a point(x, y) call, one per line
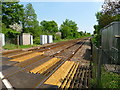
point(26, 39)
point(49, 39)
point(42, 41)
point(2, 39)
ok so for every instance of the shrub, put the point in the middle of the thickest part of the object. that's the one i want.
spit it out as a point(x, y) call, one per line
point(36, 40)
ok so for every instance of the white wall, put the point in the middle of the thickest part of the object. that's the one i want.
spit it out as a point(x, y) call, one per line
point(2, 39)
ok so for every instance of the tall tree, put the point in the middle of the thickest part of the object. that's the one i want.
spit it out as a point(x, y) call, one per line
point(12, 12)
point(30, 16)
point(30, 23)
point(111, 7)
point(110, 12)
point(69, 29)
point(49, 27)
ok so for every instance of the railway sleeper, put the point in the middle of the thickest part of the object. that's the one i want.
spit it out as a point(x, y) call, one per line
point(67, 77)
point(78, 79)
point(57, 77)
point(48, 71)
point(73, 80)
point(30, 61)
point(40, 69)
point(71, 77)
point(24, 58)
point(20, 54)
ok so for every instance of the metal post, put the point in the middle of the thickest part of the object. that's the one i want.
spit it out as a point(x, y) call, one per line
point(118, 51)
point(18, 41)
point(99, 68)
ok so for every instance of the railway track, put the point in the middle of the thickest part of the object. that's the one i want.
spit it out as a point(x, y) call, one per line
point(54, 73)
point(39, 62)
point(51, 65)
point(19, 53)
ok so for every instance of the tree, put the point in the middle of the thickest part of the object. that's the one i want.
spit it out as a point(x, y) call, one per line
point(30, 23)
point(111, 7)
point(69, 29)
point(16, 27)
point(104, 19)
point(10, 34)
point(81, 33)
point(12, 12)
point(110, 12)
point(49, 27)
point(30, 18)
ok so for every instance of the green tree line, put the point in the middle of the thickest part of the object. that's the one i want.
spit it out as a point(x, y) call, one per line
point(17, 19)
point(110, 12)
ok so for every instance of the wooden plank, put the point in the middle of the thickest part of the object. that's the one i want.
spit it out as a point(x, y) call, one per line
point(45, 66)
point(20, 54)
point(57, 77)
point(23, 58)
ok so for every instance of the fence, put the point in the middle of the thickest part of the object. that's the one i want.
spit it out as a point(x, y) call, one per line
point(110, 43)
point(97, 63)
point(108, 54)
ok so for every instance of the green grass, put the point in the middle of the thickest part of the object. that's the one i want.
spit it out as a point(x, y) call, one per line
point(108, 80)
point(60, 40)
point(13, 46)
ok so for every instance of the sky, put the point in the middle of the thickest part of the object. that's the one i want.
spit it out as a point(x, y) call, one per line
point(82, 13)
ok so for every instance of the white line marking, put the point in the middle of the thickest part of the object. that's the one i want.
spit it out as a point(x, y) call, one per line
point(6, 82)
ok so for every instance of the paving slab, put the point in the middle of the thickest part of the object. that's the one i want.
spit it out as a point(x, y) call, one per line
point(25, 80)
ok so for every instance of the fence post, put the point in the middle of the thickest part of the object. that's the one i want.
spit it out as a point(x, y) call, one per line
point(99, 67)
point(118, 62)
point(18, 40)
point(31, 40)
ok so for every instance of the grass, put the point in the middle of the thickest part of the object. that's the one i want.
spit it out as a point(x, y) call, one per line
point(13, 46)
point(108, 80)
point(60, 40)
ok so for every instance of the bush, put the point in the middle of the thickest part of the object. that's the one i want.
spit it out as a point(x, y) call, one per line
point(36, 40)
point(57, 37)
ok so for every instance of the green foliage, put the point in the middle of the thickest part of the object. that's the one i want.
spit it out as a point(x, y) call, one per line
point(81, 33)
point(103, 20)
point(11, 13)
point(69, 29)
point(30, 23)
point(14, 14)
point(9, 33)
point(49, 27)
point(110, 80)
point(13, 46)
point(10, 46)
point(60, 40)
point(36, 40)
point(57, 37)
point(30, 17)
